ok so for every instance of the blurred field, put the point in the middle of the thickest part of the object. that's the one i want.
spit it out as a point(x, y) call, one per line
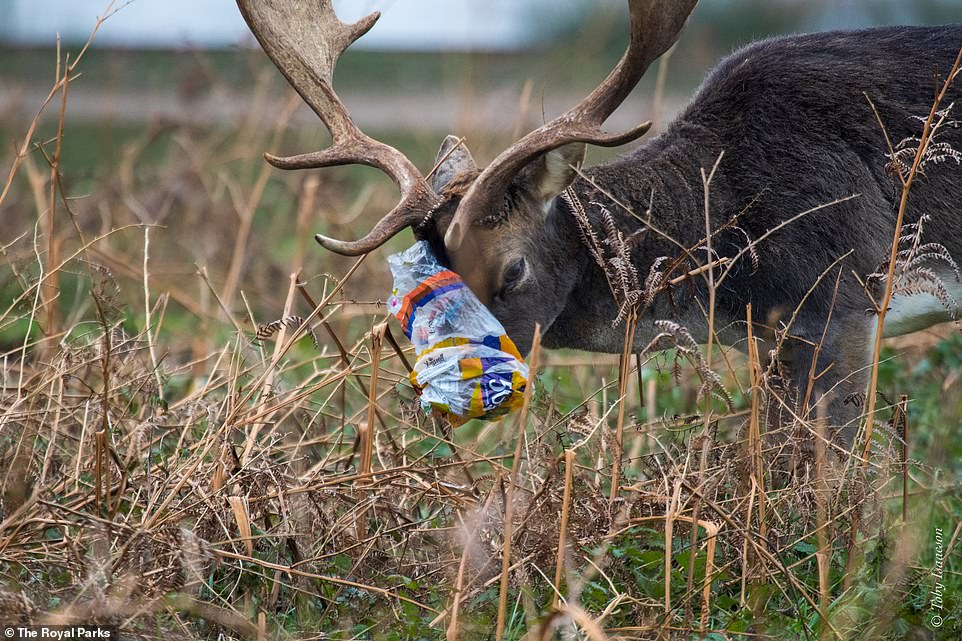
point(165, 472)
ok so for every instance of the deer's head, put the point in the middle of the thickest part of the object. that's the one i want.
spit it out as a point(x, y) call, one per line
point(495, 226)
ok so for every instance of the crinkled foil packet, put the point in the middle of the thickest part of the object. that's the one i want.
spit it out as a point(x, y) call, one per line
point(466, 366)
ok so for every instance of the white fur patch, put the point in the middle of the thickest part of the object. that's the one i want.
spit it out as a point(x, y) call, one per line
point(910, 313)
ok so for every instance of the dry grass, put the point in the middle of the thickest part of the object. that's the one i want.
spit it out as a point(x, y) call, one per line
point(165, 471)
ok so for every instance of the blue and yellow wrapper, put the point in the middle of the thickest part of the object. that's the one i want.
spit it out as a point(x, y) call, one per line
point(467, 366)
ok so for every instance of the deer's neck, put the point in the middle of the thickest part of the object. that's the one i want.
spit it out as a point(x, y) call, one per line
point(635, 216)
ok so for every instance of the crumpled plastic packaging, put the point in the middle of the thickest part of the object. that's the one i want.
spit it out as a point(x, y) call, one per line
point(466, 366)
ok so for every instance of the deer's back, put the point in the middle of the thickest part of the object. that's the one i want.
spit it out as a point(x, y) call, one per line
point(796, 119)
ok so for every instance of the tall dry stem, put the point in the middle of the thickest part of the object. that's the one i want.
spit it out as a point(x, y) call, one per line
point(569, 459)
point(624, 375)
point(520, 425)
point(907, 181)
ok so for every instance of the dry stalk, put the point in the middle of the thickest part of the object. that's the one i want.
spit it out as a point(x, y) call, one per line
point(823, 555)
point(520, 425)
point(624, 373)
point(148, 327)
point(365, 431)
point(306, 207)
point(672, 512)
point(267, 387)
point(756, 461)
point(745, 565)
point(246, 210)
point(63, 79)
point(242, 516)
point(901, 419)
point(569, 459)
point(907, 181)
point(367, 439)
point(705, 443)
point(51, 294)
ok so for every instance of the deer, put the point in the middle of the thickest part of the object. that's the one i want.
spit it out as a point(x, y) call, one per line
point(776, 188)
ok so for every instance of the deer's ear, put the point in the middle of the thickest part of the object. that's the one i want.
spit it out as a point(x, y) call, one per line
point(551, 174)
point(453, 158)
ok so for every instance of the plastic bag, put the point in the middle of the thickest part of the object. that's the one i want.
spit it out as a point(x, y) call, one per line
point(466, 366)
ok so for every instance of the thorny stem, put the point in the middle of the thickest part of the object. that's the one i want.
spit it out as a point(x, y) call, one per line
point(924, 141)
point(706, 182)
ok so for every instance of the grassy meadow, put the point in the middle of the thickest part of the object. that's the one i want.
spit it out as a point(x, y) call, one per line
point(207, 429)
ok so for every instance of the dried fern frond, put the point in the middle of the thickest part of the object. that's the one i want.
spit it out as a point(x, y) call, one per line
point(937, 151)
point(105, 292)
point(292, 322)
point(655, 281)
point(914, 267)
point(750, 246)
point(672, 334)
point(612, 254)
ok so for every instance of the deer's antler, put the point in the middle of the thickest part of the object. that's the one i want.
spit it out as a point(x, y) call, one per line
point(655, 26)
point(304, 39)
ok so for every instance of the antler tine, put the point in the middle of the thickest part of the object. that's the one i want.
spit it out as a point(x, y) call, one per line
point(304, 39)
point(655, 26)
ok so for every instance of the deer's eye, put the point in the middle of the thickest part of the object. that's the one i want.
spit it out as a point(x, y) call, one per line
point(513, 275)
